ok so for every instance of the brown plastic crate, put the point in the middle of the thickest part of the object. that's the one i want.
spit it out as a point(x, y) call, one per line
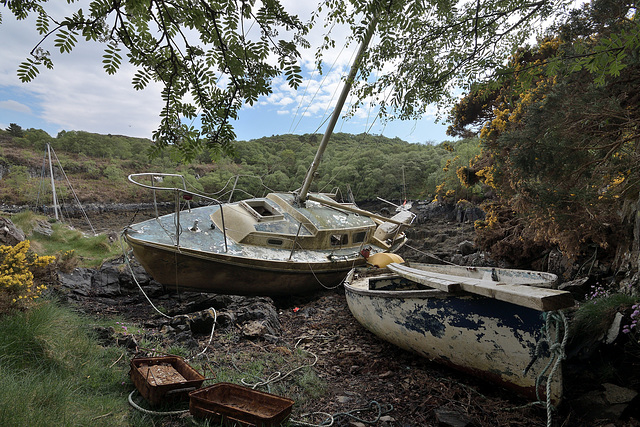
point(164, 379)
point(233, 404)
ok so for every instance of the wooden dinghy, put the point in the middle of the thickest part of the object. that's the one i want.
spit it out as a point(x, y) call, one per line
point(492, 337)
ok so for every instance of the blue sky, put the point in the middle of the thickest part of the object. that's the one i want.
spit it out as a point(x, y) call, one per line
point(78, 95)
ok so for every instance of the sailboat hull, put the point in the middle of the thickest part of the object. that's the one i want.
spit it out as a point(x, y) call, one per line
point(218, 273)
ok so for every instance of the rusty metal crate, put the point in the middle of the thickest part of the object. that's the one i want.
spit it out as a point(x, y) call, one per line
point(164, 379)
point(233, 405)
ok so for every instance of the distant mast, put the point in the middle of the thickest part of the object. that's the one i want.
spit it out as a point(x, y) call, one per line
point(53, 184)
point(302, 196)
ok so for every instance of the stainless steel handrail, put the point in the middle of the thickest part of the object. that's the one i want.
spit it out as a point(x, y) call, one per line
point(178, 191)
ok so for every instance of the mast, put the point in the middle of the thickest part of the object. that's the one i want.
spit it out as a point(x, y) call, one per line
point(53, 184)
point(302, 196)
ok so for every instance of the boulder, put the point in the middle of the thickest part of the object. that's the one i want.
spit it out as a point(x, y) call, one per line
point(608, 403)
point(10, 235)
point(43, 227)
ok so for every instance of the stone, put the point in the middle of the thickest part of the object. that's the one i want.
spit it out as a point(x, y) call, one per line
point(10, 235)
point(254, 329)
point(573, 285)
point(607, 404)
point(43, 227)
point(466, 247)
point(616, 394)
point(451, 418)
point(77, 282)
point(614, 329)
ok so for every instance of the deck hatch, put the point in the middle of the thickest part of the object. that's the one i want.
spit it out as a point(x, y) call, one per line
point(261, 210)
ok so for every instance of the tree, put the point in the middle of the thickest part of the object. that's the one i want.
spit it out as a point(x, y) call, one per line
point(203, 52)
point(428, 50)
point(15, 130)
point(560, 138)
point(210, 64)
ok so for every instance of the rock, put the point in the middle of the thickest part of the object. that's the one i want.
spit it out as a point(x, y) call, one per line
point(78, 282)
point(202, 322)
point(448, 417)
point(106, 282)
point(606, 405)
point(466, 247)
point(10, 235)
point(614, 329)
point(127, 341)
point(43, 227)
point(616, 394)
point(254, 329)
point(343, 399)
point(262, 311)
point(573, 285)
point(105, 336)
point(468, 213)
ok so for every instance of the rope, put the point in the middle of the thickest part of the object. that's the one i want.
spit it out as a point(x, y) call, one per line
point(126, 260)
point(327, 422)
point(215, 314)
point(277, 376)
point(557, 321)
point(349, 414)
point(430, 255)
point(150, 412)
point(215, 319)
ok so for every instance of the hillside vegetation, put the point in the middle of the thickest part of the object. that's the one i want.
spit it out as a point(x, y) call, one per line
point(97, 166)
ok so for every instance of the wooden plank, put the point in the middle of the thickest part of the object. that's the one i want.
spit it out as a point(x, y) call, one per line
point(541, 299)
point(442, 283)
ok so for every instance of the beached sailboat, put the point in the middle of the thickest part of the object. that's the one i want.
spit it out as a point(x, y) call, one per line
point(492, 323)
point(281, 244)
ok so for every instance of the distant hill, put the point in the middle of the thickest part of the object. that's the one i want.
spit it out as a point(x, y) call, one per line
point(97, 166)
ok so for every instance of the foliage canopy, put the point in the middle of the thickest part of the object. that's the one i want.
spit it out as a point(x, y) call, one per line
point(560, 136)
point(207, 55)
point(212, 57)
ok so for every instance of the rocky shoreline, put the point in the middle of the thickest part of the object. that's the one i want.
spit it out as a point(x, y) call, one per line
point(357, 364)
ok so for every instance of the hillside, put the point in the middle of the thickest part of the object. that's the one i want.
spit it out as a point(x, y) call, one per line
point(97, 166)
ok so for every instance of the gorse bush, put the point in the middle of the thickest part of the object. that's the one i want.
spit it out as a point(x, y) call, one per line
point(18, 287)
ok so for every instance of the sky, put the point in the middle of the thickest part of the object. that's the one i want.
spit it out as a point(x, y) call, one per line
point(79, 95)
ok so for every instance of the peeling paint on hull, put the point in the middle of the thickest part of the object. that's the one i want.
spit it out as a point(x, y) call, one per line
point(487, 338)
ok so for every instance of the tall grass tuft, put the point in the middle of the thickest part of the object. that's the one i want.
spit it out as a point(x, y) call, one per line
point(52, 372)
point(72, 247)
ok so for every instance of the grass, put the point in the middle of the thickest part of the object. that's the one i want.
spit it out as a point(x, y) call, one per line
point(54, 373)
point(73, 247)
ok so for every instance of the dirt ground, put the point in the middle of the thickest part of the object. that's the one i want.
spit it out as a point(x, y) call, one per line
point(362, 371)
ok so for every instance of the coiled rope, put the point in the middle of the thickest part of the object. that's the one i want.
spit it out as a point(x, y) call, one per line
point(556, 321)
point(329, 420)
point(150, 412)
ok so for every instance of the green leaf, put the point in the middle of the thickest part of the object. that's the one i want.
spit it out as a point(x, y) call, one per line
point(112, 59)
point(28, 70)
point(65, 41)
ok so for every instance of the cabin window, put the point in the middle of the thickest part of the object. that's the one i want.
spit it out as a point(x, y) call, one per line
point(339, 239)
point(274, 242)
point(261, 210)
point(359, 237)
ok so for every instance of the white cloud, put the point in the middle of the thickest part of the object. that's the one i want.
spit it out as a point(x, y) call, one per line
point(15, 106)
point(78, 95)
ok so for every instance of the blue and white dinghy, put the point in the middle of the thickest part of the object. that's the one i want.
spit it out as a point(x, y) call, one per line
point(495, 324)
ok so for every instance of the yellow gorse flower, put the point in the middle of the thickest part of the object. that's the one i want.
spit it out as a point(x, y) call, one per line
point(16, 272)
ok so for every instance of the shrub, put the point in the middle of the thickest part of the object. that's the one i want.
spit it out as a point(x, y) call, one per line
point(18, 289)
